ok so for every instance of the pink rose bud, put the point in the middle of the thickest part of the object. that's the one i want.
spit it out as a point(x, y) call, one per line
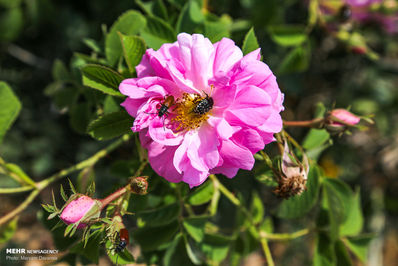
point(80, 209)
point(345, 116)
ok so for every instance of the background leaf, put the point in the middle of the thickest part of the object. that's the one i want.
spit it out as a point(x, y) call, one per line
point(10, 107)
point(110, 125)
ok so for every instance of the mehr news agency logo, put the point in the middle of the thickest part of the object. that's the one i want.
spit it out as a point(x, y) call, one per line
point(22, 254)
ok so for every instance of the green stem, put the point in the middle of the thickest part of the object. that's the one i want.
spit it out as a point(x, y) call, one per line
point(267, 252)
point(237, 202)
point(46, 182)
point(15, 189)
point(20, 208)
point(285, 236)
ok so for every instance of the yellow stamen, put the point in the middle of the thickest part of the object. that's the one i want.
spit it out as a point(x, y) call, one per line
point(186, 118)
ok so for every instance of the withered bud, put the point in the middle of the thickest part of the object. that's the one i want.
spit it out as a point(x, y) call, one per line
point(293, 178)
point(139, 185)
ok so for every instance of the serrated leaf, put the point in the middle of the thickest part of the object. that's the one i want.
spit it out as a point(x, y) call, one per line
point(133, 50)
point(201, 194)
point(288, 35)
point(129, 23)
point(63, 195)
point(299, 205)
point(102, 78)
point(195, 227)
point(110, 125)
point(157, 32)
point(10, 107)
point(154, 238)
point(250, 42)
point(160, 216)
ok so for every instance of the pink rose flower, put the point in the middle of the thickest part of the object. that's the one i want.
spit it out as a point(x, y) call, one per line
point(224, 108)
point(76, 210)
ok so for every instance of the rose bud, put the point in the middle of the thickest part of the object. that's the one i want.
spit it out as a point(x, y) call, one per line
point(80, 209)
point(139, 185)
point(339, 119)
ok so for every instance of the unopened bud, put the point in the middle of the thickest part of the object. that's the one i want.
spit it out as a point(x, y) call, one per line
point(80, 209)
point(139, 185)
point(339, 119)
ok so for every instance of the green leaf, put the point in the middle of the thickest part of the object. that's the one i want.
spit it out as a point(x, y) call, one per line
point(191, 18)
point(338, 196)
point(129, 23)
point(297, 206)
point(68, 229)
point(63, 195)
point(250, 42)
point(359, 245)
point(15, 169)
point(111, 105)
point(91, 250)
point(315, 142)
point(195, 227)
point(297, 60)
point(202, 194)
point(60, 72)
point(110, 125)
point(102, 78)
point(72, 187)
point(216, 30)
point(79, 118)
point(160, 216)
point(342, 256)
point(11, 23)
point(175, 254)
point(354, 222)
point(215, 247)
point(121, 258)
point(288, 35)
point(157, 32)
point(10, 107)
point(133, 50)
point(154, 238)
point(324, 254)
point(7, 230)
point(257, 208)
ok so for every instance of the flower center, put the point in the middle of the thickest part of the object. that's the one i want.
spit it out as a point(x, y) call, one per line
point(191, 111)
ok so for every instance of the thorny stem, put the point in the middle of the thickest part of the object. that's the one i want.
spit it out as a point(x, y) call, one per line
point(115, 195)
point(15, 189)
point(46, 182)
